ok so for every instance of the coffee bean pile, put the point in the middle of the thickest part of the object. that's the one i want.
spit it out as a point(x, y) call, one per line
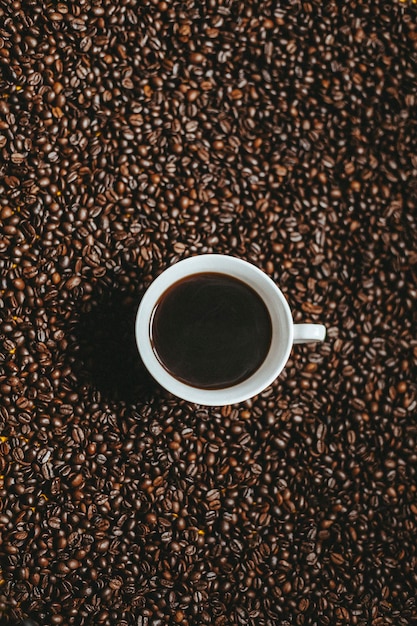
point(134, 134)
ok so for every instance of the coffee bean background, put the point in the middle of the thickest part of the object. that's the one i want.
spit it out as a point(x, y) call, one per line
point(132, 135)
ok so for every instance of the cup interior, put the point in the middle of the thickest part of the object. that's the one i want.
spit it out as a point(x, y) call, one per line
point(279, 311)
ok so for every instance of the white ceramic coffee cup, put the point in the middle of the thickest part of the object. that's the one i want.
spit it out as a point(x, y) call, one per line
point(284, 332)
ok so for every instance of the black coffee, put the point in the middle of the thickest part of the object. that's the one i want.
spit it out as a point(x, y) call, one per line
point(210, 330)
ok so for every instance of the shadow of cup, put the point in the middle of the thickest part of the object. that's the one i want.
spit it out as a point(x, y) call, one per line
point(103, 348)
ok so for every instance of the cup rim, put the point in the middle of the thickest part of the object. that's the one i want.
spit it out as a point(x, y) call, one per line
point(224, 264)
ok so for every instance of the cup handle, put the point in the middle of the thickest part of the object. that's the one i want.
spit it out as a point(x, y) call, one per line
point(306, 333)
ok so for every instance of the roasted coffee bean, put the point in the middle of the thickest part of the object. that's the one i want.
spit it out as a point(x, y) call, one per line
point(129, 140)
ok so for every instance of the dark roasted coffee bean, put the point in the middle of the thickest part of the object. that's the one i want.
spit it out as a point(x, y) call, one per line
point(284, 135)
